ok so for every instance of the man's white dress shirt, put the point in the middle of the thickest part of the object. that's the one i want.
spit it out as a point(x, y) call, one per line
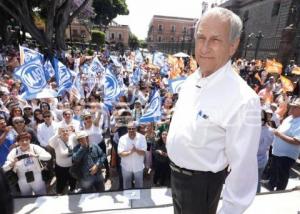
point(217, 123)
point(133, 162)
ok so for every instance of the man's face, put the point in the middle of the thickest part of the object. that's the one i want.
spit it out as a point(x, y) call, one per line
point(67, 116)
point(213, 48)
point(131, 131)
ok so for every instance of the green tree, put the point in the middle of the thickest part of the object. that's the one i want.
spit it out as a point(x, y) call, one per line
point(133, 42)
point(56, 13)
point(98, 37)
point(107, 10)
point(143, 44)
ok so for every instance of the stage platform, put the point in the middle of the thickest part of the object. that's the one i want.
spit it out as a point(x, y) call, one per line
point(145, 201)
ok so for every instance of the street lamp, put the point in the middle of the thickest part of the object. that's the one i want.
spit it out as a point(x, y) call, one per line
point(259, 36)
point(247, 43)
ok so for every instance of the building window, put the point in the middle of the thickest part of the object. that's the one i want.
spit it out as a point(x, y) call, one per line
point(75, 32)
point(112, 36)
point(120, 36)
point(160, 28)
point(173, 29)
point(276, 8)
point(159, 39)
point(172, 39)
point(184, 29)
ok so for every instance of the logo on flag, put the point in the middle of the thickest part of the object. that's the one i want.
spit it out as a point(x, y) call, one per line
point(32, 76)
point(111, 86)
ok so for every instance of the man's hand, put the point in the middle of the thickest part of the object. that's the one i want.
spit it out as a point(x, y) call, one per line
point(276, 132)
point(94, 169)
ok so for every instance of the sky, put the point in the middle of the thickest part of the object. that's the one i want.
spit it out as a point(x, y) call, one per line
point(141, 12)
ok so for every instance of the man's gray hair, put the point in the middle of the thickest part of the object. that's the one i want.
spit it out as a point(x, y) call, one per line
point(236, 24)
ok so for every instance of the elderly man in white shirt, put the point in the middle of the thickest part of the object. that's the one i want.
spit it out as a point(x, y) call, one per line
point(131, 148)
point(69, 121)
point(216, 124)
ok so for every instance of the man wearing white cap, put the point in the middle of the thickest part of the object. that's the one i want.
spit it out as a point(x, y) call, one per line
point(91, 159)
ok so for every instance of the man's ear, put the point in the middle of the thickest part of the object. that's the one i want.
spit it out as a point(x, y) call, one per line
point(234, 46)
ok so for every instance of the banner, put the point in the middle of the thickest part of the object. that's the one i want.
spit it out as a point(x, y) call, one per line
point(112, 89)
point(296, 70)
point(96, 66)
point(32, 76)
point(273, 67)
point(27, 54)
point(136, 76)
point(63, 77)
point(175, 84)
point(158, 59)
point(139, 59)
point(287, 84)
point(153, 112)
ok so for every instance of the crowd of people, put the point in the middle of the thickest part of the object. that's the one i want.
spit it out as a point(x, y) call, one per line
point(68, 137)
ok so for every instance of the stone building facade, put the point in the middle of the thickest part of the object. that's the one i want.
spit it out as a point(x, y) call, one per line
point(271, 28)
point(117, 33)
point(169, 30)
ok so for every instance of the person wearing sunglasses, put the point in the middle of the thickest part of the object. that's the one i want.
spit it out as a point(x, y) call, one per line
point(47, 129)
point(131, 148)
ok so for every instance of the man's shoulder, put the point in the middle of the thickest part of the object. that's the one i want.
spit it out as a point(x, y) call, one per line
point(237, 85)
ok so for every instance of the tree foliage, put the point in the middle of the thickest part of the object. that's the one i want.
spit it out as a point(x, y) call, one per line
point(56, 13)
point(133, 42)
point(98, 37)
point(107, 10)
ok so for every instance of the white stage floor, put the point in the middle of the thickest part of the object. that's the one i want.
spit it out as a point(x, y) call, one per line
point(147, 201)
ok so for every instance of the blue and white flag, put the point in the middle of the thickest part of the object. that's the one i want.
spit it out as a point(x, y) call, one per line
point(85, 68)
point(63, 77)
point(27, 54)
point(153, 112)
point(112, 90)
point(49, 70)
point(139, 59)
point(158, 59)
point(129, 65)
point(164, 69)
point(136, 76)
point(77, 89)
point(32, 76)
point(115, 61)
point(175, 84)
point(96, 66)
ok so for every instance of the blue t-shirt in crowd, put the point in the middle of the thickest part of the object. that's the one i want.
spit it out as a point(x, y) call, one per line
point(290, 127)
point(4, 147)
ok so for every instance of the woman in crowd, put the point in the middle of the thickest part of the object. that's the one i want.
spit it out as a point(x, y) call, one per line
point(25, 161)
point(150, 139)
point(161, 161)
point(38, 118)
point(266, 139)
point(63, 150)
